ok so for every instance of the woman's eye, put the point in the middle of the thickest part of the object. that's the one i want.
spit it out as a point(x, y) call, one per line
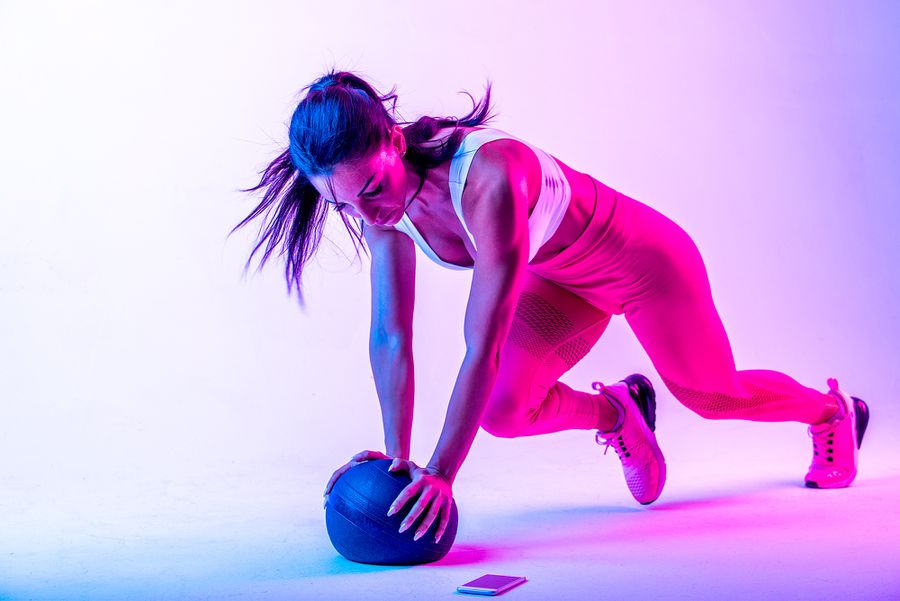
point(375, 192)
point(339, 206)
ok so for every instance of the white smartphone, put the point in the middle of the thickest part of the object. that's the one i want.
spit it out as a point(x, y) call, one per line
point(490, 584)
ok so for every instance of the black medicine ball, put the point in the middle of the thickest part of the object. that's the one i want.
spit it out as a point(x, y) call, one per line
point(360, 529)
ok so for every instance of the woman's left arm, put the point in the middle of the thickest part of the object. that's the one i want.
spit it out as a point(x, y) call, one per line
point(499, 224)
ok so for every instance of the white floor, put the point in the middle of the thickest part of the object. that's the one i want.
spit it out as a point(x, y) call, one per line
point(734, 522)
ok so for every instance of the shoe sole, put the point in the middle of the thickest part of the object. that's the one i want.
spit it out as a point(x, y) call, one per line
point(641, 391)
point(861, 409)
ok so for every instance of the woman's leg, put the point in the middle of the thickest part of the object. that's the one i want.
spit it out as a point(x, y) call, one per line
point(552, 330)
point(678, 326)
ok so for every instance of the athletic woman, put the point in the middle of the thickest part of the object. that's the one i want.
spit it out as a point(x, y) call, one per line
point(554, 254)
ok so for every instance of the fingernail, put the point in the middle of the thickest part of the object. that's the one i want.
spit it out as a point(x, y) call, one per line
point(403, 527)
point(417, 536)
point(391, 510)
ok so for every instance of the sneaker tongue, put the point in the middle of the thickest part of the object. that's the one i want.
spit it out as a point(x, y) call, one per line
point(841, 411)
point(617, 405)
point(820, 428)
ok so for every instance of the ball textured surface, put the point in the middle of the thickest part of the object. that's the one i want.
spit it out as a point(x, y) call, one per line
point(360, 528)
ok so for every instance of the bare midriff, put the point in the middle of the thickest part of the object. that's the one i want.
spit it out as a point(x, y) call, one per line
point(433, 215)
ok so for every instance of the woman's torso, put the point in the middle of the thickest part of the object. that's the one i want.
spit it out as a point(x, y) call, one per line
point(433, 214)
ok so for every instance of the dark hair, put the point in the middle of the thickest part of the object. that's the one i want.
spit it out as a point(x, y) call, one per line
point(341, 118)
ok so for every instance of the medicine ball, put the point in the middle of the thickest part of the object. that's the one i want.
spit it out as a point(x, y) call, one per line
point(362, 531)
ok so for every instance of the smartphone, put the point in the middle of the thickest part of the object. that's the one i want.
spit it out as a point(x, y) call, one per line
point(490, 584)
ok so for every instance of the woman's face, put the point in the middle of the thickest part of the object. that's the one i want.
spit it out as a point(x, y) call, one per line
point(373, 188)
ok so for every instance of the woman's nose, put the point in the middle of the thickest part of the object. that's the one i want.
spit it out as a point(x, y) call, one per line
point(356, 212)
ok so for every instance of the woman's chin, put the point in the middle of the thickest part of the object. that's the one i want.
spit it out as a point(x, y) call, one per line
point(390, 218)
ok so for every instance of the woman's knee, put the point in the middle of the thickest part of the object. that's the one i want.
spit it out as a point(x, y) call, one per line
point(500, 428)
point(504, 418)
point(509, 427)
point(552, 329)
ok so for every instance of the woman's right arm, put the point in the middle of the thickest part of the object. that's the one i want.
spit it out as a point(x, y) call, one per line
point(393, 277)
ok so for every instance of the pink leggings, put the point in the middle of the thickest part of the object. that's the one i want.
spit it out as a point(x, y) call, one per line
point(630, 260)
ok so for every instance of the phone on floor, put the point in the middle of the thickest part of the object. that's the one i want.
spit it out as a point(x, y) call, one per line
point(490, 584)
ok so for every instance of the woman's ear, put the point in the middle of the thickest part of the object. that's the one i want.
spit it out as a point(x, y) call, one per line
point(398, 139)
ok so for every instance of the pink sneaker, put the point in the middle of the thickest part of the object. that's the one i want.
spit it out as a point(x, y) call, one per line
point(633, 438)
point(836, 442)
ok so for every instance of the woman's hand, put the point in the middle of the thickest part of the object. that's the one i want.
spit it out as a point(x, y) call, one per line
point(435, 495)
point(360, 457)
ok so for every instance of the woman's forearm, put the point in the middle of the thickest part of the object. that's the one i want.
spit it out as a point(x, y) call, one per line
point(392, 368)
point(467, 403)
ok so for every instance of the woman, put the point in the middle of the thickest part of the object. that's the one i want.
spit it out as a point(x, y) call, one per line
point(555, 254)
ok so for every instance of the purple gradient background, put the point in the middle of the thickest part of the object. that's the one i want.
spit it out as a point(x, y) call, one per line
point(166, 427)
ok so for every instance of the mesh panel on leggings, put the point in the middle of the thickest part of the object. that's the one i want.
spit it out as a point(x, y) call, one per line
point(573, 351)
point(720, 405)
point(547, 325)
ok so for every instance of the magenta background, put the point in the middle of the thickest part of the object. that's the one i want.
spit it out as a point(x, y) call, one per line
point(147, 387)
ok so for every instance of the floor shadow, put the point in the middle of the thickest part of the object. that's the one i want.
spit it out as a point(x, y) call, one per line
point(552, 530)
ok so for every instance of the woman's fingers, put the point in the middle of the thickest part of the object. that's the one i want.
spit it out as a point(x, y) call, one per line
point(334, 477)
point(445, 519)
point(405, 495)
point(420, 505)
point(433, 511)
point(365, 455)
point(360, 457)
point(337, 474)
point(404, 465)
point(340, 471)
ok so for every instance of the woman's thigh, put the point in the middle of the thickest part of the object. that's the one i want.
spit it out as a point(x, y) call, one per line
point(677, 323)
point(552, 329)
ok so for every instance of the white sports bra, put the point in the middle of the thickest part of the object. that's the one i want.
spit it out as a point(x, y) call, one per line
point(548, 213)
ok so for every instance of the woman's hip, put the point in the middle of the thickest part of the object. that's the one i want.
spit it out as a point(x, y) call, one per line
point(628, 251)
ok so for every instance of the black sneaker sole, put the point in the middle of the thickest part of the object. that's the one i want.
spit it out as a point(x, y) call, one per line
point(641, 390)
point(862, 419)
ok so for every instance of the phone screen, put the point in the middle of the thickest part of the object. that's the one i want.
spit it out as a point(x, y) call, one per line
point(490, 584)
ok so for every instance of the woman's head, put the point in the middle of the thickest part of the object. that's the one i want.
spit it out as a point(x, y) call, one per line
point(342, 137)
point(341, 125)
point(373, 187)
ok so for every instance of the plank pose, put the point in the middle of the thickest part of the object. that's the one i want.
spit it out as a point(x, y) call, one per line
point(555, 253)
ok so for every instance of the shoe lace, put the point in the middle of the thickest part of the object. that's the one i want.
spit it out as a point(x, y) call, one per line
point(611, 439)
point(615, 442)
point(823, 446)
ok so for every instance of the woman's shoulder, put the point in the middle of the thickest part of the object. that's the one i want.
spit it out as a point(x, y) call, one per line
point(502, 148)
point(502, 157)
